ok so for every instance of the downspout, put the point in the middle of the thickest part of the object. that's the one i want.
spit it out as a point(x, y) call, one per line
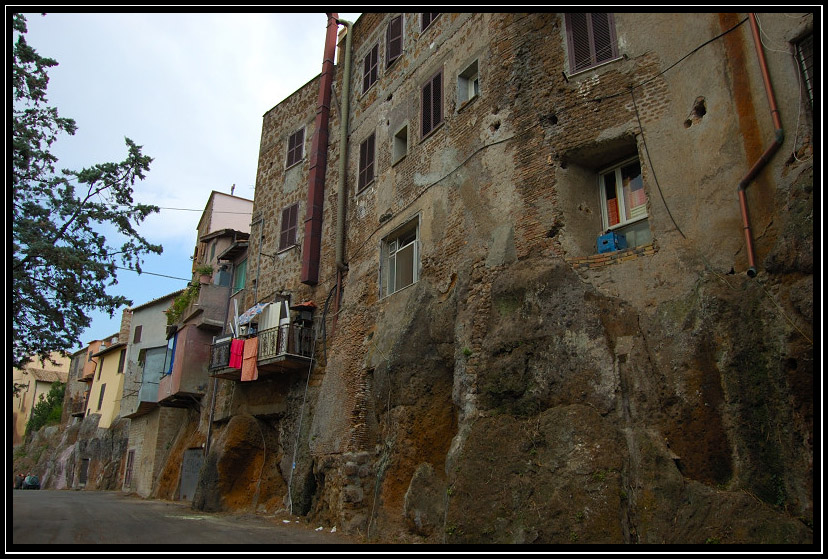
point(311, 244)
point(765, 157)
point(341, 197)
point(343, 156)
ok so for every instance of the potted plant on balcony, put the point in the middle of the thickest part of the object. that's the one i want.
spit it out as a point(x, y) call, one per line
point(205, 273)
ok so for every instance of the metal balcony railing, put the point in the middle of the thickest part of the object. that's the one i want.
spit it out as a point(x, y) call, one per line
point(291, 339)
point(220, 353)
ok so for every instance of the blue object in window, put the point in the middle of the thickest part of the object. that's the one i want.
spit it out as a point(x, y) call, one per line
point(610, 242)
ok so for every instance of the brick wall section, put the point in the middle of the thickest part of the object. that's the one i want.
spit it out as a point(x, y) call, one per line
point(599, 260)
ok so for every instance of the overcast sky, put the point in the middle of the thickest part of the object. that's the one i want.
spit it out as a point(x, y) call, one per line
point(191, 89)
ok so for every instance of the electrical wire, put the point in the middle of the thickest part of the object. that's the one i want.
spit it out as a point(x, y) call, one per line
point(652, 169)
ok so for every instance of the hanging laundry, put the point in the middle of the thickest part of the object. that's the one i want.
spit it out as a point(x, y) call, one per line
point(251, 351)
point(236, 353)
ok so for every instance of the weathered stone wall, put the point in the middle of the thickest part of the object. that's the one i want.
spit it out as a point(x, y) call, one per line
point(525, 389)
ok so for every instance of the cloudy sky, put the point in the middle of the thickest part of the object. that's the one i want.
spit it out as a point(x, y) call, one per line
point(191, 88)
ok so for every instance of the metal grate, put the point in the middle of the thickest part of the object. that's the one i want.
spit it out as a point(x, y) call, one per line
point(805, 58)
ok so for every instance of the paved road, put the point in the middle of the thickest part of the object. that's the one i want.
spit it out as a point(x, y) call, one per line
point(107, 517)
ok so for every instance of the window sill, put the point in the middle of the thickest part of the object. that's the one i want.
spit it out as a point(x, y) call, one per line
point(295, 164)
point(585, 70)
point(467, 102)
point(400, 158)
point(365, 188)
point(283, 250)
point(432, 132)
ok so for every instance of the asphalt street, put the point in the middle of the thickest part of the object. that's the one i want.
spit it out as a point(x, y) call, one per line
point(49, 517)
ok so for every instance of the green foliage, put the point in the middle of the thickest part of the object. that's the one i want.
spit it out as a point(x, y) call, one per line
point(62, 264)
point(48, 410)
point(180, 303)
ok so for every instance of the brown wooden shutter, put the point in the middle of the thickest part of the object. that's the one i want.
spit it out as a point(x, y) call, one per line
point(370, 68)
point(590, 39)
point(366, 162)
point(137, 337)
point(603, 37)
point(287, 237)
point(432, 103)
point(427, 19)
point(394, 40)
point(295, 144)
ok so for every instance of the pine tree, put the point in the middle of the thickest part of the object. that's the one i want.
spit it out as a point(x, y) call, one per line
point(62, 262)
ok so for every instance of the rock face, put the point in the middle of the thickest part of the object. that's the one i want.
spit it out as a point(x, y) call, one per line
point(77, 456)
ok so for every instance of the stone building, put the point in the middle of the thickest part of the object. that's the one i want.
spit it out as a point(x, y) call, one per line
point(562, 272)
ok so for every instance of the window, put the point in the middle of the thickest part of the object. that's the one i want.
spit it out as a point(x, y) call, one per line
point(122, 361)
point(366, 163)
point(432, 107)
point(296, 146)
point(624, 202)
point(468, 84)
point(393, 41)
point(137, 336)
point(240, 276)
point(100, 366)
point(427, 19)
point(399, 147)
point(805, 58)
point(169, 357)
point(370, 66)
point(590, 39)
point(287, 236)
point(100, 398)
point(400, 259)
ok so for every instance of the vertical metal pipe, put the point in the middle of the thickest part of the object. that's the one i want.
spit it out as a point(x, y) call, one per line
point(312, 242)
point(765, 157)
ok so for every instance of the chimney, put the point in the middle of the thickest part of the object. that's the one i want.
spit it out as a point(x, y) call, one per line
point(126, 322)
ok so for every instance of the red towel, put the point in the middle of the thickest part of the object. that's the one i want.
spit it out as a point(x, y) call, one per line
point(236, 351)
point(251, 352)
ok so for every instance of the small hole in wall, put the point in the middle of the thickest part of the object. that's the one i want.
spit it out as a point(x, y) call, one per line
point(495, 126)
point(699, 110)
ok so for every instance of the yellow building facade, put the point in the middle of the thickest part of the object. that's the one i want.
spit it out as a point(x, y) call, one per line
point(107, 384)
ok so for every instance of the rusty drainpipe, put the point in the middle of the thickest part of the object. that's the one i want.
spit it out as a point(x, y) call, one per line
point(342, 191)
point(763, 160)
point(311, 244)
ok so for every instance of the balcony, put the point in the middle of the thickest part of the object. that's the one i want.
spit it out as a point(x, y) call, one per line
point(207, 312)
point(281, 350)
point(77, 407)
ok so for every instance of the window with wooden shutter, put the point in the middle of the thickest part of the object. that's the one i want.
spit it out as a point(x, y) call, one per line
point(366, 163)
point(370, 66)
point(393, 41)
point(287, 236)
point(805, 58)
point(296, 144)
point(122, 361)
point(432, 106)
point(137, 337)
point(590, 39)
point(427, 19)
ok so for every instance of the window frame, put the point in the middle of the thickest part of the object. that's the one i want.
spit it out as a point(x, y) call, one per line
point(624, 220)
point(370, 68)
point(574, 41)
point(804, 67)
point(431, 17)
point(389, 59)
point(365, 168)
point(399, 144)
point(390, 251)
point(429, 85)
point(468, 84)
point(295, 145)
point(286, 233)
point(239, 271)
point(101, 396)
